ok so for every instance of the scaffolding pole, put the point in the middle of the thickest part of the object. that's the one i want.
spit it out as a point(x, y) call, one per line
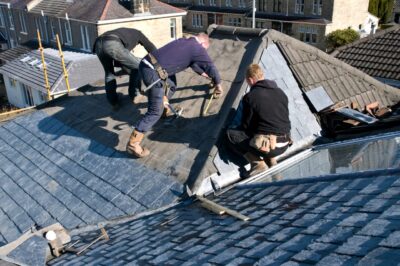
point(46, 79)
point(63, 63)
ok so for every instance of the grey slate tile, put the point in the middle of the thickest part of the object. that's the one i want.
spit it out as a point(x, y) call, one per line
point(358, 246)
point(392, 241)
point(381, 256)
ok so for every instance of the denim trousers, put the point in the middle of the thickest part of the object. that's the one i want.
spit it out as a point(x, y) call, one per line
point(155, 96)
point(109, 51)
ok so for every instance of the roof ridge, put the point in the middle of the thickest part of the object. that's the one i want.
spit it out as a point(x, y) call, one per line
point(105, 10)
point(314, 179)
point(165, 4)
point(366, 39)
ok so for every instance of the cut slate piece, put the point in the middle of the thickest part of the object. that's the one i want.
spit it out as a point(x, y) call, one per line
point(319, 98)
point(353, 114)
point(32, 252)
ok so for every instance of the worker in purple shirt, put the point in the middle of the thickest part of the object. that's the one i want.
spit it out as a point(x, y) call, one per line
point(158, 71)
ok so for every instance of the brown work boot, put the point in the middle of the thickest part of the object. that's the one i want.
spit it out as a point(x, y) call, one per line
point(257, 165)
point(133, 147)
point(270, 161)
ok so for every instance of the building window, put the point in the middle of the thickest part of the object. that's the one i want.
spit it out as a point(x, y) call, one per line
point(53, 30)
point(259, 24)
point(299, 9)
point(197, 21)
point(242, 3)
point(22, 20)
point(234, 22)
point(85, 37)
point(172, 26)
point(10, 17)
point(13, 43)
point(40, 28)
point(201, 2)
point(212, 3)
point(262, 5)
point(228, 2)
point(278, 6)
point(68, 33)
point(308, 34)
point(317, 7)
point(13, 83)
point(2, 21)
point(28, 98)
point(42, 97)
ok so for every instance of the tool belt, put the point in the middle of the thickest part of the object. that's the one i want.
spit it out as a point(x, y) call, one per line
point(268, 142)
point(161, 72)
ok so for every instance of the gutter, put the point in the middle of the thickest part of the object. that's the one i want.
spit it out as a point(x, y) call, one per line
point(121, 20)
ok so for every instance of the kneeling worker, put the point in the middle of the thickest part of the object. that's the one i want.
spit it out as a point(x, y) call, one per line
point(264, 132)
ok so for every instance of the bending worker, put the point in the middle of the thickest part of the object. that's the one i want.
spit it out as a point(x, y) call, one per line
point(158, 69)
point(264, 132)
point(114, 48)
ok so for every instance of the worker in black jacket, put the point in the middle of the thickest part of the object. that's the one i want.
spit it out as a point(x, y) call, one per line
point(114, 49)
point(264, 132)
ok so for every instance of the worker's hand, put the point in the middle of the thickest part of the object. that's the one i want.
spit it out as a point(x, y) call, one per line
point(218, 91)
point(204, 74)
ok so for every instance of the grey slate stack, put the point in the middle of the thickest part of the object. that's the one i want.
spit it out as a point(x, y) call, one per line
point(51, 173)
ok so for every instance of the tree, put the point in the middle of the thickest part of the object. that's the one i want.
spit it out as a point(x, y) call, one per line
point(382, 9)
point(338, 38)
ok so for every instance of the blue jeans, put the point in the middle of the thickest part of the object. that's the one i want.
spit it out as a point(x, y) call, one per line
point(109, 51)
point(155, 96)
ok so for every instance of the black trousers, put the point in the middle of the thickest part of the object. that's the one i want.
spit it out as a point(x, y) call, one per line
point(239, 142)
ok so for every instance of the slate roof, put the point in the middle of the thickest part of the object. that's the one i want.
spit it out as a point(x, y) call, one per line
point(340, 219)
point(291, 18)
point(342, 82)
point(26, 68)
point(51, 173)
point(51, 7)
point(377, 55)
point(10, 54)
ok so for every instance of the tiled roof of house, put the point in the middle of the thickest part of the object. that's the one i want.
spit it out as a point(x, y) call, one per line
point(342, 82)
point(51, 7)
point(339, 219)
point(184, 151)
point(27, 68)
point(377, 55)
point(52, 173)
point(10, 54)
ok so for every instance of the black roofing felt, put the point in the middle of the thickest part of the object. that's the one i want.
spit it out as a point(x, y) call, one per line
point(341, 221)
point(377, 55)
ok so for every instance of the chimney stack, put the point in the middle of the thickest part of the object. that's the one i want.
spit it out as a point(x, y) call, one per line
point(137, 7)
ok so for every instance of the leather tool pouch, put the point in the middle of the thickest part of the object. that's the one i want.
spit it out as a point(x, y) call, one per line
point(263, 143)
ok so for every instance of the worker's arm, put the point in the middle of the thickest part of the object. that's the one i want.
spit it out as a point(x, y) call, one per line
point(247, 113)
point(146, 43)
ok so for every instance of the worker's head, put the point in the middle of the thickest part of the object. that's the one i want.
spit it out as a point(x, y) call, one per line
point(203, 40)
point(254, 73)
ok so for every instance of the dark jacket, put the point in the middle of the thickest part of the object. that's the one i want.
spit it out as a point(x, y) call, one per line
point(130, 38)
point(265, 110)
point(183, 53)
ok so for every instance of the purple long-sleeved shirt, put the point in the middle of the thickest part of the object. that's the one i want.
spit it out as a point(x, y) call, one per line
point(183, 53)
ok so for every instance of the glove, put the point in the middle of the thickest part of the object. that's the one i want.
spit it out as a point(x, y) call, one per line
point(218, 91)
